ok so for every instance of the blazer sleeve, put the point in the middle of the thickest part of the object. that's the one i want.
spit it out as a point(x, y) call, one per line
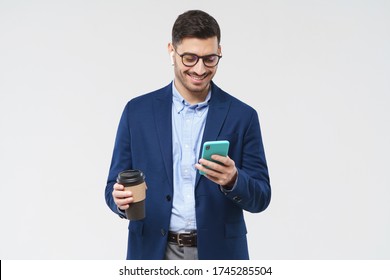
point(253, 190)
point(121, 158)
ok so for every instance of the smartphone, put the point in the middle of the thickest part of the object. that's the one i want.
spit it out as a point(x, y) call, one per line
point(220, 147)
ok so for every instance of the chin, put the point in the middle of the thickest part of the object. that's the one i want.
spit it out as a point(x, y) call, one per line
point(198, 88)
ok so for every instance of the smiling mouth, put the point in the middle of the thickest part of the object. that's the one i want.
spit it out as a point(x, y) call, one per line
point(198, 78)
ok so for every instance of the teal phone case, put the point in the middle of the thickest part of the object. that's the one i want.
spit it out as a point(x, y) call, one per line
point(220, 147)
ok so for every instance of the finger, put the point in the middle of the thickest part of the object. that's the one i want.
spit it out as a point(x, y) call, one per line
point(218, 177)
point(212, 165)
point(119, 187)
point(218, 167)
point(123, 207)
point(123, 203)
point(204, 161)
point(214, 176)
point(222, 159)
point(201, 168)
point(122, 194)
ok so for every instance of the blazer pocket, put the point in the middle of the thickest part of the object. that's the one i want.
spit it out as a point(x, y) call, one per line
point(235, 230)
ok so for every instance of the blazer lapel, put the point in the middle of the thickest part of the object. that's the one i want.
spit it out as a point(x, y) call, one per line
point(218, 109)
point(162, 108)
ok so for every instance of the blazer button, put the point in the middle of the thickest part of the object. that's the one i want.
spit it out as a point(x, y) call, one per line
point(163, 232)
point(237, 199)
point(168, 197)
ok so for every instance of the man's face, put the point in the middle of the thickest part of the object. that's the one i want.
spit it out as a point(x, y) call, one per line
point(194, 81)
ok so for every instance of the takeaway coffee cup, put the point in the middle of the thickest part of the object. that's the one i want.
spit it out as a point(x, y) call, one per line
point(134, 181)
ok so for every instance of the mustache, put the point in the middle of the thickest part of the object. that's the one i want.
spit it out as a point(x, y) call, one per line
point(196, 75)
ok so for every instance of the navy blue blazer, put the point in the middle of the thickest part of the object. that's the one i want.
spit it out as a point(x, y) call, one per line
point(144, 141)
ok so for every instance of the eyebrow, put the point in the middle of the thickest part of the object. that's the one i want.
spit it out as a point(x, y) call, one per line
point(190, 53)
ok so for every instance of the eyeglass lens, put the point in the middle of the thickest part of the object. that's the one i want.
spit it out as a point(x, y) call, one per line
point(191, 60)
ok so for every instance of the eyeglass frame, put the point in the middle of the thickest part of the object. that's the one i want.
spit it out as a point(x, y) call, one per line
point(198, 57)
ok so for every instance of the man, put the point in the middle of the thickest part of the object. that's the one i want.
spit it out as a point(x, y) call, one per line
point(190, 216)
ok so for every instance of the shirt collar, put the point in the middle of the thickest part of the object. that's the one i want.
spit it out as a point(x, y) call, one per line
point(180, 103)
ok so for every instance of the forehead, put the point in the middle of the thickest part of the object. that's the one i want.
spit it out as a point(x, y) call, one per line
point(199, 46)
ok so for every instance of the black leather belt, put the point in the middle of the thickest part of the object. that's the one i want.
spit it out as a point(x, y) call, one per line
point(183, 239)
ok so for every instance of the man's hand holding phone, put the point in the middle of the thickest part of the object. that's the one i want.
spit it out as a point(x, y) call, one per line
point(216, 165)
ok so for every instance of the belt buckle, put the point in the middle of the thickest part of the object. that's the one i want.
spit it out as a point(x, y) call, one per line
point(179, 240)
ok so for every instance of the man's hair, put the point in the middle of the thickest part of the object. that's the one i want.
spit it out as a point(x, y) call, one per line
point(195, 24)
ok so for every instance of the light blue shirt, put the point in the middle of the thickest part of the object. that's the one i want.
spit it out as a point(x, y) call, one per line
point(188, 122)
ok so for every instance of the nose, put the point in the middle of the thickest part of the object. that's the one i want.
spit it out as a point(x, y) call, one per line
point(199, 68)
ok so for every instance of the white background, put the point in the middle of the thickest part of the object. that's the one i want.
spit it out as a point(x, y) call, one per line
point(316, 71)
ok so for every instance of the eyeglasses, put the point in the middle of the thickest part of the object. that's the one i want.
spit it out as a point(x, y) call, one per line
point(190, 59)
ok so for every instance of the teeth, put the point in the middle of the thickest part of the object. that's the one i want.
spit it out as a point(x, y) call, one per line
point(197, 77)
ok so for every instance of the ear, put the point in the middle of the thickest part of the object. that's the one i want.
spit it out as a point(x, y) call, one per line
point(171, 51)
point(170, 48)
point(172, 58)
point(219, 50)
